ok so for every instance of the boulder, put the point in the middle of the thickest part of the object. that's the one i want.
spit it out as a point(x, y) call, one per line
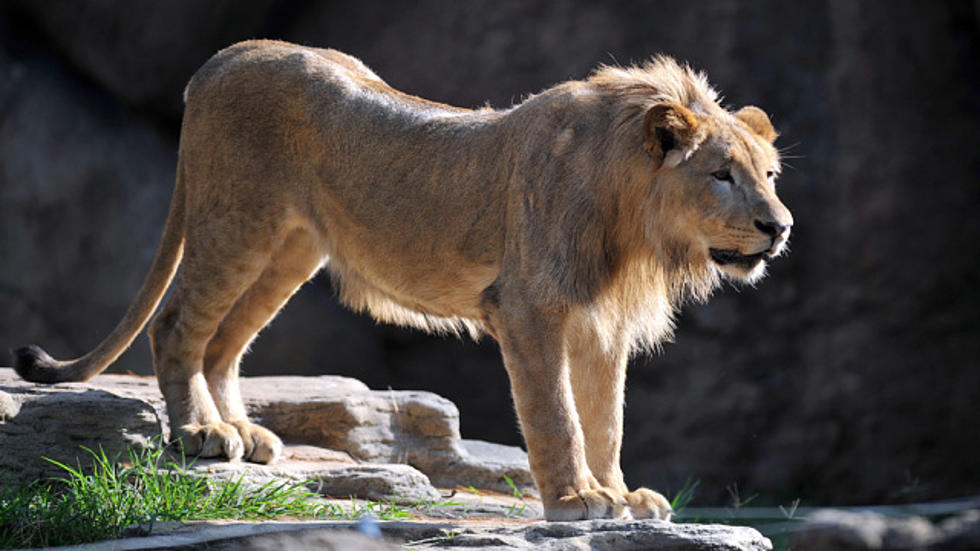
point(413, 427)
point(329, 473)
point(838, 530)
point(371, 426)
point(38, 422)
point(960, 533)
point(486, 464)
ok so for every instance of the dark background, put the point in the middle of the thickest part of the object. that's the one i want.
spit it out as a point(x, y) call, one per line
point(850, 375)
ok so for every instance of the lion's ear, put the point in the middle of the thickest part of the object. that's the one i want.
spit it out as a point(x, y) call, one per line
point(670, 127)
point(758, 121)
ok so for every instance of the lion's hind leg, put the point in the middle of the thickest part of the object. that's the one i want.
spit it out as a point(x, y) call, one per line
point(223, 257)
point(291, 266)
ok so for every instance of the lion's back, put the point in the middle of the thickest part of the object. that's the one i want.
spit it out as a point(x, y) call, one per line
point(259, 69)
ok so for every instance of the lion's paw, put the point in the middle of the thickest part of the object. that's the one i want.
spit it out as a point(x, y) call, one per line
point(210, 440)
point(261, 444)
point(588, 504)
point(645, 503)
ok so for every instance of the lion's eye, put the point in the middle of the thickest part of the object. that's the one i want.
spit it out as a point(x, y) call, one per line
point(770, 174)
point(723, 175)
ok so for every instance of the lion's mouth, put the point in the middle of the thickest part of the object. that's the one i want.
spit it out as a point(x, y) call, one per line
point(724, 257)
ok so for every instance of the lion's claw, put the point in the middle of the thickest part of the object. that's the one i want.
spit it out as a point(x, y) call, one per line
point(210, 440)
point(261, 444)
point(589, 504)
point(234, 440)
point(645, 503)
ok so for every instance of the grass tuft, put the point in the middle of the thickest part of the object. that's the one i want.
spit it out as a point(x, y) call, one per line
point(684, 497)
point(102, 502)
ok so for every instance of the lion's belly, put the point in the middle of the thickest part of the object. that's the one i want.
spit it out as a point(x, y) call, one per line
point(377, 276)
point(428, 251)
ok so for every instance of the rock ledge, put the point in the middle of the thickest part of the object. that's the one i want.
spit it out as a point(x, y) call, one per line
point(353, 441)
point(595, 535)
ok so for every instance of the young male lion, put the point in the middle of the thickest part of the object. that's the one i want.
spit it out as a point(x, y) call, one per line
point(568, 227)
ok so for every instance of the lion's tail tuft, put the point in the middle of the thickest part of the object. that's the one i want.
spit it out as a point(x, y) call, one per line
point(33, 364)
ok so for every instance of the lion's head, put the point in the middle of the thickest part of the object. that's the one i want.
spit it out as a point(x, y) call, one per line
point(706, 183)
point(720, 169)
point(707, 174)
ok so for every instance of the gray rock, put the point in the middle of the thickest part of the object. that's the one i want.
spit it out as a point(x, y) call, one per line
point(595, 535)
point(371, 426)
point(252, 536)
point(400, 483)
point(484, 465)
point(470, 505)
point(399, 433)
point(413, 427)
point(959, 533)
point(908, 533)
point(321, 540)
point(835, 530)
point(329, 473)
point(54, 421)
point(618, 535)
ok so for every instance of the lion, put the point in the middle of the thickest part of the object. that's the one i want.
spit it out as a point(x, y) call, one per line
point(569, 227)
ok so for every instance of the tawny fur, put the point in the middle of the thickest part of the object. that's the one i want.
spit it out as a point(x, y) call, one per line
point(569, 227)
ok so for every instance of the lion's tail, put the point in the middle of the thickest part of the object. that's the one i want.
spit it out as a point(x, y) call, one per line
point(35, 365)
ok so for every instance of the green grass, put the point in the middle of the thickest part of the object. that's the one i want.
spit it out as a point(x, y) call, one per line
point(112, 497)
point(517, 509)
point(99, 503)
point(392, 509)
point(774, 523)
point(684, 496)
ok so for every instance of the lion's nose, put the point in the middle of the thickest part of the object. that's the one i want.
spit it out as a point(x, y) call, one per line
point(772, 229)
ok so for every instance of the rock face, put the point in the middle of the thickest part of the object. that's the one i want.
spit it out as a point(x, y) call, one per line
point(373, 445)
point(95, 35)
point(847, 377)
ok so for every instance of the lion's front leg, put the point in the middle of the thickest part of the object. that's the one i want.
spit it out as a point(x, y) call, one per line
point(532, 343)
point(598, 381)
